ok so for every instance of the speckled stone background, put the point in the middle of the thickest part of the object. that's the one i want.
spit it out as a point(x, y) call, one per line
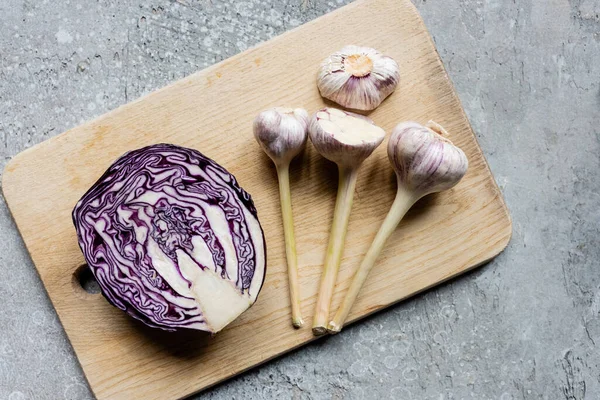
point(525, 326)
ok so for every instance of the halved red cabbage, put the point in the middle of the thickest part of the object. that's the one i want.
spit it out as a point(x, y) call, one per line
point(172, 239)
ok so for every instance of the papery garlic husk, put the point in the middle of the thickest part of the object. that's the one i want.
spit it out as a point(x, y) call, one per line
point(344, 137)
point(357, 77)
point(424, 159)
point(281, 132)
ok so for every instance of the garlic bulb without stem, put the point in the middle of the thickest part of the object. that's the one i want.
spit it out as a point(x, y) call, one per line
point(282, 133)
point(359, 78)
point(346, 139)
point(425, 162)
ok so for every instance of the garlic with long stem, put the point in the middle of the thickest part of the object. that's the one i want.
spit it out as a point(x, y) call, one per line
point(282, 133)
point(359, 78)
point(425, 162)
point(346, 139)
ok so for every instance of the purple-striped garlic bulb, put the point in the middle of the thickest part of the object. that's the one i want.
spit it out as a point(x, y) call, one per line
point(425, 161)
point(357, 77)
point(281, 132)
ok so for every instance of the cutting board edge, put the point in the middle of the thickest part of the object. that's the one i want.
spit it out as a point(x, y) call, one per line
point(466, 120)
point(38, 272)
point(495, 253)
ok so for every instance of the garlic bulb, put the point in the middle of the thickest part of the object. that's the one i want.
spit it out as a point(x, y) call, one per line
point(359, 78)
point(425, 162)
point(282, 133)
point(344, 137)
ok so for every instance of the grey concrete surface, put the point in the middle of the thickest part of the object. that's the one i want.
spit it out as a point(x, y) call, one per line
point(525, 326)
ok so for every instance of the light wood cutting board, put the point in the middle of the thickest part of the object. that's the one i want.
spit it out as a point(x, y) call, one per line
point(212, 111)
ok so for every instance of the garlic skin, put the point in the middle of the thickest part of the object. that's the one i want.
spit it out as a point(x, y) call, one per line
point(425, 161)
point(343, 137)
point(357, 77)
point(281, 132)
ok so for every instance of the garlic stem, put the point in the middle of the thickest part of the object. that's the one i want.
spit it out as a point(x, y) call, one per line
point(335, 248)
point(403, 202)
point(283, 176)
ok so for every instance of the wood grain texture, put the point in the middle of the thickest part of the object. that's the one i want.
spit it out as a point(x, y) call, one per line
point(212, 111)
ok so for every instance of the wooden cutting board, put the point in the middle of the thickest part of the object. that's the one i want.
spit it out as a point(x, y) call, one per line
point(212, 111)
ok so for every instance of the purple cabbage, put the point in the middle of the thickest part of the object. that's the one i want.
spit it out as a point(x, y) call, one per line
point(172, 239)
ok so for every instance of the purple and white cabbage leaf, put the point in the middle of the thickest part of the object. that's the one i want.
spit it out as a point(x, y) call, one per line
point(172, 239)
